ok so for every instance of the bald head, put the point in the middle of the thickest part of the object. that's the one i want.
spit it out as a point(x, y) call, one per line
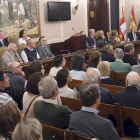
point(12, 47)
point(132, 79)
point(93, 76)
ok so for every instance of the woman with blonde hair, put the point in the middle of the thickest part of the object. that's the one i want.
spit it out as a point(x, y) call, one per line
point(30, 129)
point(104, 68)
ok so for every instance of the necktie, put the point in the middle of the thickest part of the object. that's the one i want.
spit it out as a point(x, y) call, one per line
point(94, 41)
point(47, 52)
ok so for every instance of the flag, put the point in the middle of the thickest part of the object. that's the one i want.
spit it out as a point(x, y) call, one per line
point(132, 19)
point(139, 26)
point(122, 28)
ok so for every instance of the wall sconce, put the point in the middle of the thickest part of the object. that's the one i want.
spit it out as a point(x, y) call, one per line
point(74, 9)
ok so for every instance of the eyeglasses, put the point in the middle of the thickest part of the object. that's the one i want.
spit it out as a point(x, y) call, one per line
point(18, 66)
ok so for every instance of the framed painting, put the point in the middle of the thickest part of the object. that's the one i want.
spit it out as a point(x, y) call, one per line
point(16, 15)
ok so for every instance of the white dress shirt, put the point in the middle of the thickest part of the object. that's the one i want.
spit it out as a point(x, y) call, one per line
point(22, 41)
point(78, 75)
point(54, 70)
point(24, 56)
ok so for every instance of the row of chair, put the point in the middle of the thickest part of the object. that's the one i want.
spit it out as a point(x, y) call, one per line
point(119, 113)
point(61, 134)
point(112, 88)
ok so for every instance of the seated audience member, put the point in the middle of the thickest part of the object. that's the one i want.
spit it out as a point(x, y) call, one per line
point(43, 49)
point(129, 51)
point(101, 37)
point(118, 66)
point(4, 83)
point(115, 38)
point(15, 74)
point(63, 78)
point(108, 54)
point(9, 118)
point(77, 71)
point(30, 53)
point(36, 66)
point(93, 76)
point(87, 122)
point(23, 37)
point(95, 58)
point(3, 40)
point(82, 53)
point(59, 62)
point(133, 35)
point(32, 94)
point(130, 97)
point(136, 68)
point(10, 55)
point(29, 129)
point(104, 68)
point(48, 111)
point(91, 40)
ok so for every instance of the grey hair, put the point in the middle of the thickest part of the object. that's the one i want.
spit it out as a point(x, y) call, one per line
point(107, 48)
point(10, 66)
point(100, 31)
point(47, 86)
point(119, 53)
point(90, 31)
point(29, 129)
point(92, 76)
point(133, 78)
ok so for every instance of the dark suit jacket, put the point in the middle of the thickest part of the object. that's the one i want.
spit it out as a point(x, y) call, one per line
point(52, 114)
point(130, 97)
point(6, 43)
point(107, 57)
point(91, 125)
point(131, 38)
point(90, 41)
point(42, 52)
point(105, 41)
point(106, 96)
point(129, 59)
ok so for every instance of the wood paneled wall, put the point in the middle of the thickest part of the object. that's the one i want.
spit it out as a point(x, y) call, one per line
point(100, 21)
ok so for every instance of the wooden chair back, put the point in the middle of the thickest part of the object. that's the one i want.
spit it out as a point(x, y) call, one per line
point(53, 131)
point(115, 110)
point(2, 50)
point(21, 48)
point(132, 113)
point(75, 83)
point(116, 77)
point(73, 104)
point(112, 88)
point(79, 137)
point(109, 33)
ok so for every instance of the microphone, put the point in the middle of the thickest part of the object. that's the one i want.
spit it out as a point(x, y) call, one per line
point(74, 30)
point(65, 51)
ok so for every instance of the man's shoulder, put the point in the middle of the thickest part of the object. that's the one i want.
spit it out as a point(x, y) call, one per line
point(104, 89)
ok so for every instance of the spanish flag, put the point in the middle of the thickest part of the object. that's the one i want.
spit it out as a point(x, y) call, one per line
point(122, 28)
point(132, 19)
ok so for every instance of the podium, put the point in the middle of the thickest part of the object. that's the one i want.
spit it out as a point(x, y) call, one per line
point(75, 43)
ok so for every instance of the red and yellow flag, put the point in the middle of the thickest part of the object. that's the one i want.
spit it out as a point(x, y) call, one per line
point(122, 28)
point(132, 19)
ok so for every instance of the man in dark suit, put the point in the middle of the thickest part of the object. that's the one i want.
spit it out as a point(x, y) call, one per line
point(93, 76)
point(129, 51)
point(3, 40)
point(133, 35)
point(108, 54)
point(91, 40)
point(43, 49)
point(47, 110)
point(130, 97)
point(87, 122)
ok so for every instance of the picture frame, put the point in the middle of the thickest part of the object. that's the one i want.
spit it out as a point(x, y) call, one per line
point(16, 15)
